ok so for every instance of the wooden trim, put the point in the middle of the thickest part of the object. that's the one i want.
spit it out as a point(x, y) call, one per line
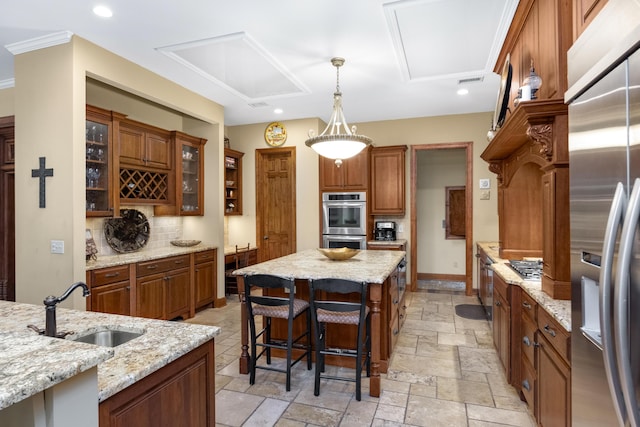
point(220, 302)
point(469, 259)
point(444, 277)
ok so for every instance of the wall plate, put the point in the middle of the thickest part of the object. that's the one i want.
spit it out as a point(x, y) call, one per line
point(485, 183)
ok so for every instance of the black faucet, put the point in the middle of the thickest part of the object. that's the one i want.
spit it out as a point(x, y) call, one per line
point(50, 303)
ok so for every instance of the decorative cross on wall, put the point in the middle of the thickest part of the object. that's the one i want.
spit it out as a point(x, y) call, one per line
point(42, 173)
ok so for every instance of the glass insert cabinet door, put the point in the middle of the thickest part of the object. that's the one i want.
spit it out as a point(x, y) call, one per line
point(97, 169)
point(191, 189)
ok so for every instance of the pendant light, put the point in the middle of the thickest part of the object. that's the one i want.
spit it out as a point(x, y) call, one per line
point(337, 141)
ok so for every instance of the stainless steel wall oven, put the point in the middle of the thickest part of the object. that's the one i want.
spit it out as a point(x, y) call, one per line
point(344, 220)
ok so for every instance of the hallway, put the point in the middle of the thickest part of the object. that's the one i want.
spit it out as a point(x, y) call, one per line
point(444, 372)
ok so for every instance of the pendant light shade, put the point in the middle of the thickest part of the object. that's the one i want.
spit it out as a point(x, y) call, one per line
point(337, 141)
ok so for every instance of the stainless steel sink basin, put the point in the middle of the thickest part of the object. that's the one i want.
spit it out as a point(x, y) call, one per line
point(107, 338)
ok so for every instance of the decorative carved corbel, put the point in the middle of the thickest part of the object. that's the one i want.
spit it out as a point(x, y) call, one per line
point(496, 167)
point(543, 135)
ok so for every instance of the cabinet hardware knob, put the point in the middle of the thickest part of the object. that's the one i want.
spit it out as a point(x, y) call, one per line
point(526, 305)
point(152, 267)
point(498, 303)
point(128, 288)
point(395, 332)
point(179, 262)
point(395, 301)
point(536, 344)
point(525, 385)
point(526, 341)
point(550, 331)
point(110, 275)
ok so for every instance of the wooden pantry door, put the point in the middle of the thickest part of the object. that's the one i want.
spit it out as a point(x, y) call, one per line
point(275, 202)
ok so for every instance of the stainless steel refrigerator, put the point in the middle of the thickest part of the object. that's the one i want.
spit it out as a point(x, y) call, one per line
point(604, 146)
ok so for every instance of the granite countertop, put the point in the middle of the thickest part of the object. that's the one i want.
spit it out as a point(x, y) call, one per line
point(559, 309)
point(371, 266)
point(145, 255)
point(30, 363)
point(387, 242)
point(231, 250)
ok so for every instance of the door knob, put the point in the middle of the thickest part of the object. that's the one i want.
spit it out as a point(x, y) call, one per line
point(265, 238)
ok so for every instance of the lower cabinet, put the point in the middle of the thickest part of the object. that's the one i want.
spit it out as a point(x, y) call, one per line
point(502, 323)
point(164, 288)
point(181, 393)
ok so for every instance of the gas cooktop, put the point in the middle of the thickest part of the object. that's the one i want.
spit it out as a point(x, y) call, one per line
point(528, 270)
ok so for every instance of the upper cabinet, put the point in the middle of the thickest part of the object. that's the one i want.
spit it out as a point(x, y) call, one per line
point(129, 163)
point(144, 145)
point(352, 175)
point(583, 13)
point(99, 163)
point(529, 153)
point(232, 182)
point(387, 193)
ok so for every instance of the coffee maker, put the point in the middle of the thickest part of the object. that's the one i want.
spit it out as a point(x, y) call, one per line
point(385, 230)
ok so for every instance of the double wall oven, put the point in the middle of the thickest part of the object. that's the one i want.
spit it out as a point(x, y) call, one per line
point(344, 220)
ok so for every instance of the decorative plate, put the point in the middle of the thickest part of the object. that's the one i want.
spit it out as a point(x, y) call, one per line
point(502, 102)
point(275, 134)
point(338, 254)
point(185, 243)
point(129, 233)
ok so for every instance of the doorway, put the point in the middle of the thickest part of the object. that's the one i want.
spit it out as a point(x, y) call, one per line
point(426, 149)
point(275, 202)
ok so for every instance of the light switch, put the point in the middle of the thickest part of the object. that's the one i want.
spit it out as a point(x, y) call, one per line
point(57, 246)
point(485, 195)
point(484, 183)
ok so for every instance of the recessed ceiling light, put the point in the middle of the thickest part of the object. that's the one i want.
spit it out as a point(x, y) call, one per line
point(278, 111)
point(463, 91)
point(103, 11)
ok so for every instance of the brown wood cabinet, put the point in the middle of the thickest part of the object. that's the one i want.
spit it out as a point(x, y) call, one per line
point(233, 182)
point(502, 323)
point(205, 272)
point(110, 290)
point(144, 145)
point(181, 393)
point(387, 180)
point(554, 373)
point(101, 163)
point(352, 175)
point(583, 13)
point(527, 384)
point(7, 210)
point(163, 288)
point(189, 177)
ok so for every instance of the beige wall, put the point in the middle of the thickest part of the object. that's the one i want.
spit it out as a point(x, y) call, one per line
point(6, 102)
point(426, 130)
point(49, 104)
point(438, 169)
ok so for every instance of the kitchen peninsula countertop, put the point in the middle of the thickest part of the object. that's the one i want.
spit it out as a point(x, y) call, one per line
point(387, 242)
point(559, 309)
point(369, 266)
point(144, 255)
point(31, 363)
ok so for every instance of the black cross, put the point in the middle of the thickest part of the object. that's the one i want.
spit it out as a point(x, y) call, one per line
point(42, 173)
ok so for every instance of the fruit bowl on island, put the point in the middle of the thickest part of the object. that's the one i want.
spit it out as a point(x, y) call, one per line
point(338, 254)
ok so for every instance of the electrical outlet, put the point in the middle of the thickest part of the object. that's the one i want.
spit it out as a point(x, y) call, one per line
point(485, 195)
point(400, 228)
point(484, 183)
point(57, 246)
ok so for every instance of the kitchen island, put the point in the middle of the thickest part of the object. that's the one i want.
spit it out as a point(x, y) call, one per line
point(378, 268)
point(170, 360)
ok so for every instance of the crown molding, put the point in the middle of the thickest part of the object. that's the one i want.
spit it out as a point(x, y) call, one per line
point(41, 42)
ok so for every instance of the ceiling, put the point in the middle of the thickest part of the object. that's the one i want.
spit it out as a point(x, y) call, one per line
point(403, 58)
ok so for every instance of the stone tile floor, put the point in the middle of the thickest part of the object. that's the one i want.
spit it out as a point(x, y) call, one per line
point(444, 372)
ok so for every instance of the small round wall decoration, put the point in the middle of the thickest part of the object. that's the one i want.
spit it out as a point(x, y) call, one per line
point(275, 134)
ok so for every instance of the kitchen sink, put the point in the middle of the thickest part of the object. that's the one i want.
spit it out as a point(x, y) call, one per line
point(107, 337)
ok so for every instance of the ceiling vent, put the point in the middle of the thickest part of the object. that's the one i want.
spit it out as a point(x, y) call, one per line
point(258, 105)
point(470, 80)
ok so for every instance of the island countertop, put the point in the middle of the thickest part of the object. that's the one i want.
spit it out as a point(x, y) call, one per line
point(30, 363)
point(369, 266)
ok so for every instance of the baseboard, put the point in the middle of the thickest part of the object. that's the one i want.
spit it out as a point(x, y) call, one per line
point(444, 277)
point(219, 302)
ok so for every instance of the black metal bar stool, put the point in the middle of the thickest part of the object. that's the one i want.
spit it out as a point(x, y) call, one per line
point(347, 313)
point(288, 308)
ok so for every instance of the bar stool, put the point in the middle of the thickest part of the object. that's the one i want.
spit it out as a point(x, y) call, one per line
point(340, 312)
point(288, 308)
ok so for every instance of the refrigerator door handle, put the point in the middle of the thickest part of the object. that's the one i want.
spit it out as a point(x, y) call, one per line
point(621, 304)
point(616, 215)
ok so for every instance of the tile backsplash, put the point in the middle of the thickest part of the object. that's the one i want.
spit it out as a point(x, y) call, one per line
point(163, 230)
